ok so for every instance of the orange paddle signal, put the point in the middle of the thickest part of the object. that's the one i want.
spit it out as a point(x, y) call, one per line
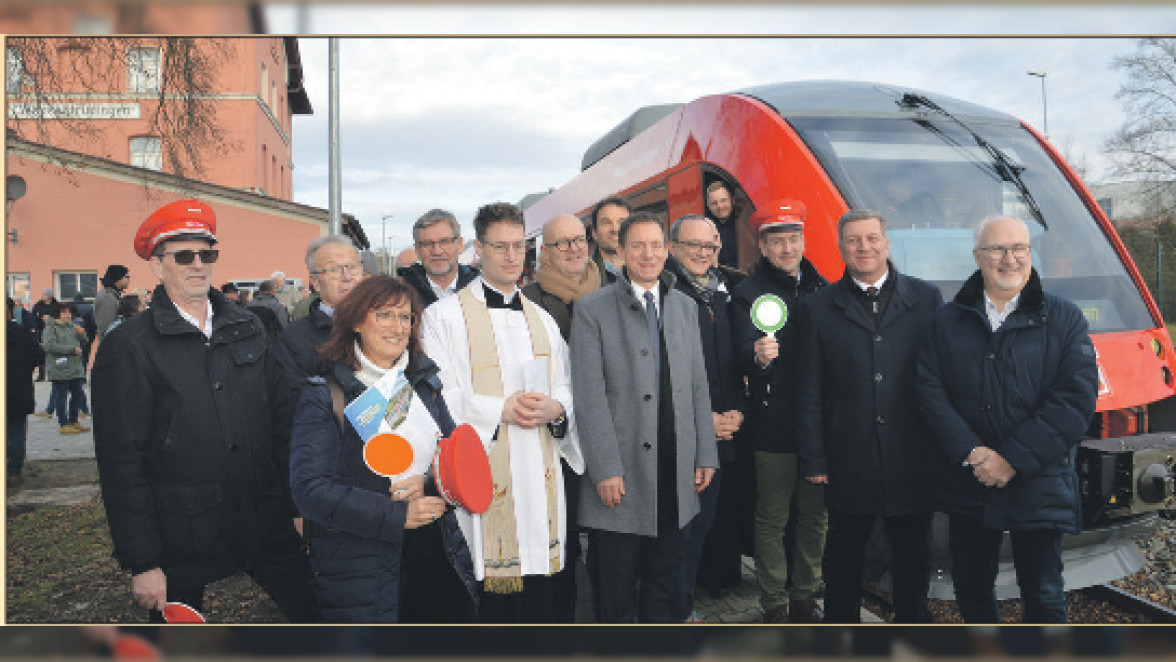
point(388, 454)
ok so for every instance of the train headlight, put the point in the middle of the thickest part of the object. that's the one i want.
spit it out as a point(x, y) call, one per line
point(1155, 483)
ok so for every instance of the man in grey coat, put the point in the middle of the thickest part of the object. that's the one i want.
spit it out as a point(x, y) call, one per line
point(644, 414)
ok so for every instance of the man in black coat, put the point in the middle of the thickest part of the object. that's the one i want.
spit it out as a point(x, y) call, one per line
point(436, 235)
point(859, 432)
point(1008, 383)
point(769, 361)
point(335, 269)
point(23, 355)
point(191, 433)
point(694, 241)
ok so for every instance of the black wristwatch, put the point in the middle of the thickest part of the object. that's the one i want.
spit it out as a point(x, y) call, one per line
point(559, 427)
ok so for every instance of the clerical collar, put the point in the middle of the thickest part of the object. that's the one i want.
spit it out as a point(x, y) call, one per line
point(496, 299)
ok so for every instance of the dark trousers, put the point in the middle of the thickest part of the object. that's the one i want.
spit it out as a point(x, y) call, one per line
point(624, 561)
point(693, 539)
point(18, 432)
point(566, 594)
point(910, 565)
point(285, 576)
point(68, 397)
point(535, 604)
point(975, 557)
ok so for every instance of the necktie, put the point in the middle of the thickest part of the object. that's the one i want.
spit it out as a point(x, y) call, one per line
point(496, 300)
point(872, 292)
point(654, 334)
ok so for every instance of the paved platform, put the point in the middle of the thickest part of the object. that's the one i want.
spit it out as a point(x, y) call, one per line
point(45, 441)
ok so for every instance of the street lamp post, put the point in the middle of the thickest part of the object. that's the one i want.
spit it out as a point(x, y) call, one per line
point(1044, 106)
point(387, 266)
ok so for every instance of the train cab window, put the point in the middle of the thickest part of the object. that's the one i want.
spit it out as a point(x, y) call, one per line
point(933, 181)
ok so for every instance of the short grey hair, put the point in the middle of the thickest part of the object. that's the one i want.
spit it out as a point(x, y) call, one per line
point(280, 275)
point(676, 227)
point(332, 239)
point(854, 215)
point(978, 232)
point(433, 217)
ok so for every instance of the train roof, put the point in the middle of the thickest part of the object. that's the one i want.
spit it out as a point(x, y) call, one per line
point(825, 97)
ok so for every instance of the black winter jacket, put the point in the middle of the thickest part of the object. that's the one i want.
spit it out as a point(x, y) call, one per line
point(23, 355)
point(356, 530)
point(297, 347)
point(857, 419)
point(771, 412)
point(414, 274)
point(1027, 391)
point(718, 350)
point(191, 437)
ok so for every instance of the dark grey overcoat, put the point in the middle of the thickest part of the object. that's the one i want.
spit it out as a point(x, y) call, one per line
point(614, 386)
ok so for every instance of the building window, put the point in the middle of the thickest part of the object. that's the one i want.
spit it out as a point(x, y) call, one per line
point(70, 283)
point(13, 69)
point(147, 152)
point(19, 286)
point(264, 82)
point(143, 69)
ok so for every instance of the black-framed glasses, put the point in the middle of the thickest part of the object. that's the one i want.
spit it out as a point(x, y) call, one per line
point(699, 247)
point(1018, 251)
point(567, 244)
point(188, 256)
point(447, 242)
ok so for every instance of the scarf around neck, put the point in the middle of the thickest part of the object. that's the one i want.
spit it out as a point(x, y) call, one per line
point(567, 288)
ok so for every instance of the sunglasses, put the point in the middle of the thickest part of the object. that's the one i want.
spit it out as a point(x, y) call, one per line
point(187, 256)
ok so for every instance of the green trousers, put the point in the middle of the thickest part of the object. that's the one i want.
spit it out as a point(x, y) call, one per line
point(779, 490)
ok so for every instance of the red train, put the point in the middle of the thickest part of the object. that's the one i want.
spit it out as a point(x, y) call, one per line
point(934, 166)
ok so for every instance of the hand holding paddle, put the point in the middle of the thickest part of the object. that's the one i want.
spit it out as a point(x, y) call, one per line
point(150, 589)
point(766, 350)
point(409, 489)
point(424, 510)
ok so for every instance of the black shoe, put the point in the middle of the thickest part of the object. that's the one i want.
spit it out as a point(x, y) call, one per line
point(805, 611)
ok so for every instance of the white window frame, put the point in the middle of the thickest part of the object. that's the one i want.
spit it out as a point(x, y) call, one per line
point(74, 280)
point(147, 152)
point(143, 64)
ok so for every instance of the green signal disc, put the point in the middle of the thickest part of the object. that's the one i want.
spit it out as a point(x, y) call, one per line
point(769, 313)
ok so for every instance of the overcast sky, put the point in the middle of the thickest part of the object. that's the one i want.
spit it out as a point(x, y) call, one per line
point(458, 122)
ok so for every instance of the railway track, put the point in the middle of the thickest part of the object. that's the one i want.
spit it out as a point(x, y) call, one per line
point(1102, 603)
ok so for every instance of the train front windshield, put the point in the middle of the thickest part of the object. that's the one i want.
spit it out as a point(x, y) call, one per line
point(933, 182)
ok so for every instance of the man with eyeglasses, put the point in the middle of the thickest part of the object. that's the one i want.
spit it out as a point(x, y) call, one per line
point(191, 433)
point(787, 589)
point(335, 269)
point(436, 235)
point(859, 433)
point(1008, 382)
point(505, 370)
point(694, 241)
point(720, 204)
point(644, 417)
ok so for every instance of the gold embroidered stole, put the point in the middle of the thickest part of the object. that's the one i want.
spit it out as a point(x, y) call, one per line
point(500, 545)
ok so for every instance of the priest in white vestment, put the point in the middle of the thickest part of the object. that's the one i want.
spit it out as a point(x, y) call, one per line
point(519, 399)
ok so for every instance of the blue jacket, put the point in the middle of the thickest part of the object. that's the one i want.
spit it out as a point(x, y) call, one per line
point(1027, 391)
point(355, 529)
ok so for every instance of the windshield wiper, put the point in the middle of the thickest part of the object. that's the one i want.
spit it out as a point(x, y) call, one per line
point(1004, 166)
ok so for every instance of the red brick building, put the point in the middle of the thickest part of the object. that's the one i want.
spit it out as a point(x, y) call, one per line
point(97, 134)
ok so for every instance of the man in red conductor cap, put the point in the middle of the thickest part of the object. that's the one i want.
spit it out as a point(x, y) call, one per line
point(191, 431)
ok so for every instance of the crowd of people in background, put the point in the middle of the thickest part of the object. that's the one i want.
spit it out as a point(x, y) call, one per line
point(629, 396)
